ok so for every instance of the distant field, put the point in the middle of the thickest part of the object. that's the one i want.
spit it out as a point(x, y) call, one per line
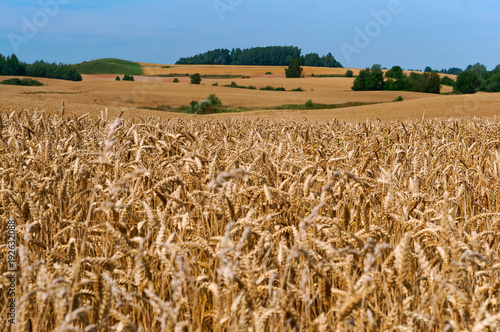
point(151, 69)
point(109, 66)
point(140, 98)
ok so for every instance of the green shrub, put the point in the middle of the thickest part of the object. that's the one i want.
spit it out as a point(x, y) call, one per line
point(206, 106)
point(298, 89)
point(117, 78)
point(214, 100)
point(309, 103)
point(193, 105)
point(195, 78)
point(234, 85)
point(269, 73)
point(128, 78)
point(270, 88)
point(398, 98)
point(349, 73)
point(215, 84)
point(176, 80)
point(23, 82)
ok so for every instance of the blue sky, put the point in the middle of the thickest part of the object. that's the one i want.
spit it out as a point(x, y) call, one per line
point(359, 33)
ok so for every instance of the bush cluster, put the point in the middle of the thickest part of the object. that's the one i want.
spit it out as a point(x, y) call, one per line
point(397, 80)
point(206, 106)
point(270, 88)
point(476, 78)
point(195, 78)
point(23, 82)
point(235, 85)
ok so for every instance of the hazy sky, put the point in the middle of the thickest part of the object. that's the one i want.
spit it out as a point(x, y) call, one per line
point(359, 33)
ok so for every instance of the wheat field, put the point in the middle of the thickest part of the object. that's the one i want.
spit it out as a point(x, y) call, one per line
point(251, 225)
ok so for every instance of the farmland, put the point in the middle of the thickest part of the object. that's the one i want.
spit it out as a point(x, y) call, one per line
point(150, 92)
point(213, 224)
point(383, 216)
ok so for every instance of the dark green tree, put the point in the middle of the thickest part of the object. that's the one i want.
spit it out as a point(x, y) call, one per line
point(195, 78)
point(468, 81)
point(329, 61)
point(434, 83)
point(494, 83)
point(426, 82)
point(400, 84)
point(480, 69)
point(375, 80)
point(14, 67)
point(3, 63)
point(313, 60)
point(294, 69)
point(349, 73)
point(395, 72)
point(360, 82)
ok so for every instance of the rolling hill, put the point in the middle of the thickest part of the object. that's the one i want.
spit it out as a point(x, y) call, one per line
point(109, 66)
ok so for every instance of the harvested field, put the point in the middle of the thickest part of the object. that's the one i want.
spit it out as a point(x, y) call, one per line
point(241, 225)
point(481, 105)
point(157, 69)
point(151, 69)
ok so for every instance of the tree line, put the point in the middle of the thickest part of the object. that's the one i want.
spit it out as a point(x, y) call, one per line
point(11, 66)
point(396, 80)
point(473, 79)
point(477, 78)
point(260, 56)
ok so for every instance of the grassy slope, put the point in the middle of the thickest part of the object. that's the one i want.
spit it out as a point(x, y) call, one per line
point(109, 66)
